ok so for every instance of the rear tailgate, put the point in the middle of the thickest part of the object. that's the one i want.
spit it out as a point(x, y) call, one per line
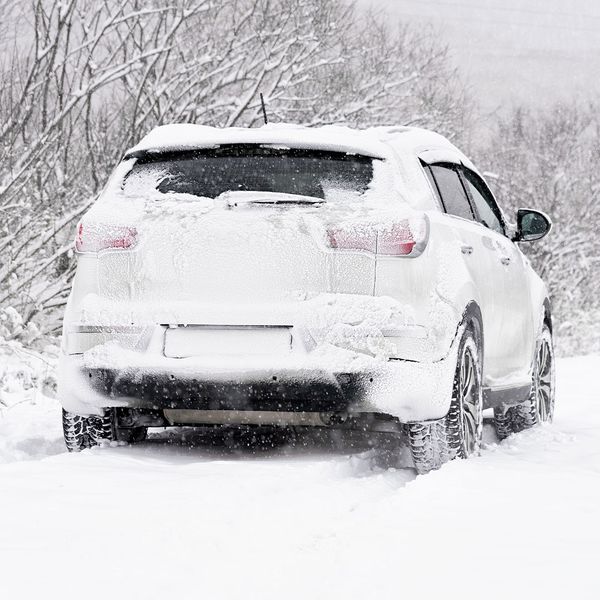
point(243, 256)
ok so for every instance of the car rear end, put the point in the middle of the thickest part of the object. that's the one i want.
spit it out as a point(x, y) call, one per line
point(236, 283)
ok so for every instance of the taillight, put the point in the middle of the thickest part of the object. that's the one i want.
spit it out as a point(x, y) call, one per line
point(352, 238)
point(398, 240)
point(406, 237)
point(97, 237)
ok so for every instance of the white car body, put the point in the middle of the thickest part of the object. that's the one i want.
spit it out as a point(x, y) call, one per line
point(243, 309)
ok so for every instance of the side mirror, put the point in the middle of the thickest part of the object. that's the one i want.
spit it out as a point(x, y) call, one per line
point(531, 225)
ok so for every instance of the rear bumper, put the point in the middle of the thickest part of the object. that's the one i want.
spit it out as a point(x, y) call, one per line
point(277, 390)
point(138, 367)
point(408, 391)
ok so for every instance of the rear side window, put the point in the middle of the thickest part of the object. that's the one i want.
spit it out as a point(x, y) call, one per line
point(485, 205)
point(433, 184)
point(452, 191)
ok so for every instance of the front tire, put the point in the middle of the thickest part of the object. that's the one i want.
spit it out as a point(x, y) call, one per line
point(458, 434)
point(539, 407)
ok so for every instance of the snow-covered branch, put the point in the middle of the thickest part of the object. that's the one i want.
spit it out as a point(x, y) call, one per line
point(98, 74)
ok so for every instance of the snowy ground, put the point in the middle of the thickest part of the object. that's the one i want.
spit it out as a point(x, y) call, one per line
point(165, 520)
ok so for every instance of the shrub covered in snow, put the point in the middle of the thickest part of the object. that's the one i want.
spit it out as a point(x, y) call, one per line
point(549, 161)
point(29, 412)
point(12, 327)
point(579, 334)
point(26, 371)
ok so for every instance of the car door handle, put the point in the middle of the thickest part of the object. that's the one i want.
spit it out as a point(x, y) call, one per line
point(505, 260)
point(466, 249)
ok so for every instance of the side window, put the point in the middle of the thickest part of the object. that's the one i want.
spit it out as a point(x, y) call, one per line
point(484, 202)
point(433, 184)
point(452, 191)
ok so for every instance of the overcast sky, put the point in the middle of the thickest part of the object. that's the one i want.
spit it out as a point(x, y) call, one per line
point(514, 51)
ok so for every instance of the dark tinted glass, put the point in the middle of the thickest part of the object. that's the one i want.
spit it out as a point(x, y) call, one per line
point(452, 191)
point(485, 204)
point(532, 224)
point(254, 168)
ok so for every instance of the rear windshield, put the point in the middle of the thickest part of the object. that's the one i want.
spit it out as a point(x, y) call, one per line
point(209, 173)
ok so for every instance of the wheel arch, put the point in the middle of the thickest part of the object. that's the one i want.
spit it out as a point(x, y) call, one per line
point(473, 318)
point(544, 317)
point(547, 319)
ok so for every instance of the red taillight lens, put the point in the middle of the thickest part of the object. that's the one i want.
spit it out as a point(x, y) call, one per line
point(397, 240)
point(403, 238)
point(97, 237)
point(354, 238)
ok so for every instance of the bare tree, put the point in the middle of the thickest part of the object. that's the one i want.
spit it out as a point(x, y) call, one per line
point(315, 61)
point(52, 152)
point(98, 74)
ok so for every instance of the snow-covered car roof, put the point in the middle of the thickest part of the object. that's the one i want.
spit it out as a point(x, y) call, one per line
point(374, 142)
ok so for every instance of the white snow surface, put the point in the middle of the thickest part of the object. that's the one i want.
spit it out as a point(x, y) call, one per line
point(168, 519)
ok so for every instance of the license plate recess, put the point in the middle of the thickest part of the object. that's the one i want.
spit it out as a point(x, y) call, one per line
point(203, 340)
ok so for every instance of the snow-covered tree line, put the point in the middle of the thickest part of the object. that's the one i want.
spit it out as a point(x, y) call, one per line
point(84, 79)
point(548, 159)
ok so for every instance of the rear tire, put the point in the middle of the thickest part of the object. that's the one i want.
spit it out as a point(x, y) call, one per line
point(458, 434)
point(85, 432)
point(539, 407)
point(101, 429)
point(74, 431)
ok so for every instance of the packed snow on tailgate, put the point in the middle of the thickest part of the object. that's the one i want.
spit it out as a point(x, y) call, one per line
point(249, 257)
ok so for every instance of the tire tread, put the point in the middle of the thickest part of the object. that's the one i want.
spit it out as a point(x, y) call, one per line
point(434, 443)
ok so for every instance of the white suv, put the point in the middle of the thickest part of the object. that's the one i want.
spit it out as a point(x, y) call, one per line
point(304, 277)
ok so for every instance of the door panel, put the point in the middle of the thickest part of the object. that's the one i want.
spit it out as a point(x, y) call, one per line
point(477, 257)
point(517, 326)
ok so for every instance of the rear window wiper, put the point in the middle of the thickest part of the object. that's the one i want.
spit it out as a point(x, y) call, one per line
point(237, 198)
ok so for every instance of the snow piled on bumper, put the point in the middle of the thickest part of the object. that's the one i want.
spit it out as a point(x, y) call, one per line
point(333, 335)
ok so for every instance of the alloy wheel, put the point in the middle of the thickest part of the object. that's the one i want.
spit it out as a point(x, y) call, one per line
point(543, 382)
point(470, 405)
